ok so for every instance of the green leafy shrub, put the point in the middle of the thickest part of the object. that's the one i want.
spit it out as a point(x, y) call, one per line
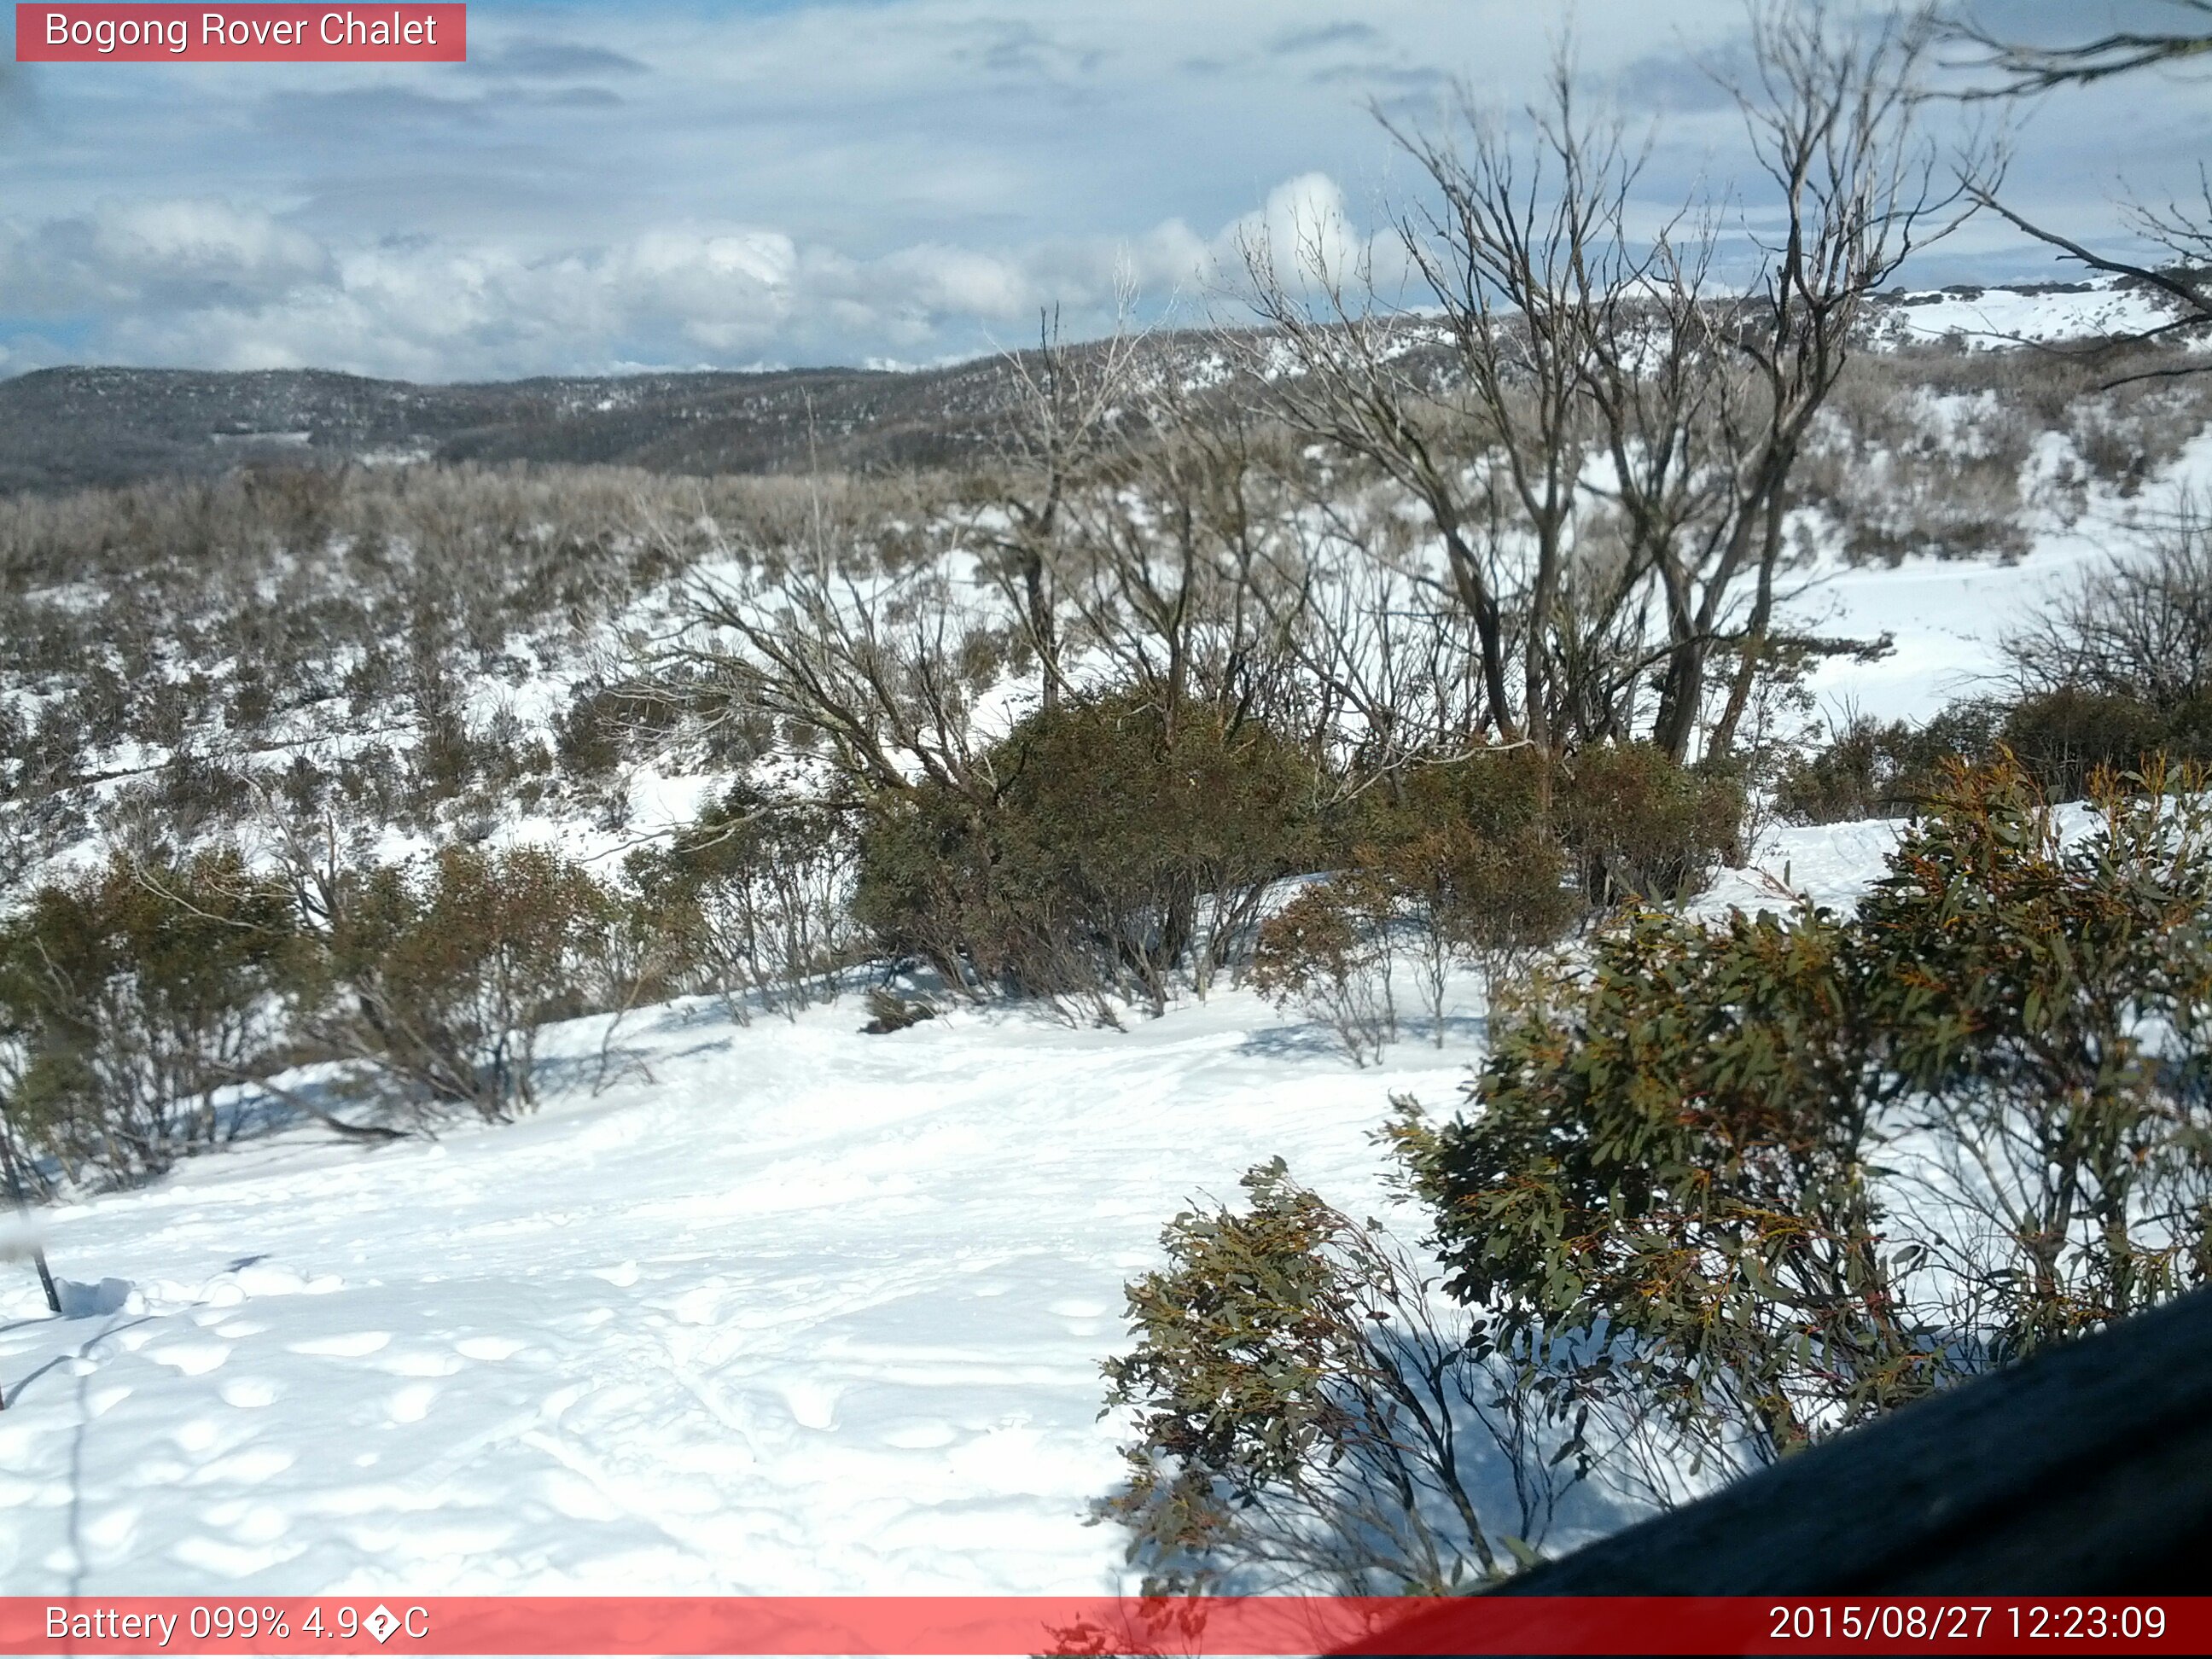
point(437, 976)
point(1477, 880)
point(1106, 852)
point(1328, 952)
point(2065, 737)
point(1640, 826)
point(757, 897)
point(1872, 769)
point(2046, 1004)
point(131, 999)
point(1669, 1162)
point(1301, 1412)
point(1769, 1177)
point(1494, 793)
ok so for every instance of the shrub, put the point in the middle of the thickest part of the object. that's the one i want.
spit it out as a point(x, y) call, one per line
point(437, 976)
point(758, 893)
point(1877, 769)
point(1106, 854)
point(2065, 737)
point(2047, 1004)
point(1301, 1412)
point(1669, 1160)
point(2137, 628)
point(1640, 826)
point(1902, 473)
point(1328, 952)
point(931, 886)
point(1452, 855)
point(1780, 1174)
point(131, 999)
point(1494, 900)
point(1492, 794)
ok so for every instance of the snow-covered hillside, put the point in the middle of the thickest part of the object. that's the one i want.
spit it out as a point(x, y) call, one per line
point(774, 1307)
point(777, 1308)
point(2046, 313)
point(802, 1311)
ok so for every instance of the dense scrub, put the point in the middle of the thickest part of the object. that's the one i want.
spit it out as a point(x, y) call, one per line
point(1109, 854)
point(147, 1009)
point(2114, 676)
point(417, 648)
point(1934, 450)
point(1719, 1191)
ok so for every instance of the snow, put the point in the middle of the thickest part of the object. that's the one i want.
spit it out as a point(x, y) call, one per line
point(804, 1311)
point(1947, 617)
point(1830, 865)
point(1993, 318)
point(774, 1307)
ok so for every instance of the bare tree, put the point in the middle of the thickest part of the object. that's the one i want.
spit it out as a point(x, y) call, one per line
point(871, 652)
point(1547, 336)
point(1834, 113)
point(1180, 573)
point(2182, 230)
point(1491, 441)
point(2139, 628)
point(2026, 68)
point(1068, 419)
point(1387, 674)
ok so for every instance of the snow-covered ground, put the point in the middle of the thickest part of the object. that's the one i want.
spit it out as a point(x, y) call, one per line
point(776, 1307)
point(806, 1311)
point(779, 1308)
point(1947, 617)
point(1993, 318)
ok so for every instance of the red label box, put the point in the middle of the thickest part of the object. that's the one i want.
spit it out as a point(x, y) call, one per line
point(175, 1627)
point(93, 33)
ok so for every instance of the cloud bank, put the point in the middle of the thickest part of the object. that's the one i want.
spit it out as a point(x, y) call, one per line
point(792, 181)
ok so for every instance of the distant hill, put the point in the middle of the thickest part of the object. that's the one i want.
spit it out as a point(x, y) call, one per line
point(65, 428)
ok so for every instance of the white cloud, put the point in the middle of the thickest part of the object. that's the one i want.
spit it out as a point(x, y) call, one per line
point(182, 250)
point(191, 281)
point(1302, 235)
point(819, 179)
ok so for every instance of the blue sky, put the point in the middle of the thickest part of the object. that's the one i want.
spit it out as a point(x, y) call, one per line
point(800, 181)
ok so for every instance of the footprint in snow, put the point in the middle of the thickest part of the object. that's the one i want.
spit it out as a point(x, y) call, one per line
point(192, 1359)
point(813, 1405)
point(101, 1401)
point(249, 1393)
point(412, 1403)
point(1080, 1316)
point(491, 1348)
point(920, 1436)
point(357, 1345)
point(420, 1365)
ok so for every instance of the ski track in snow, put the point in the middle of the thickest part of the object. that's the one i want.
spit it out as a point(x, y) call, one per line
point(810, 1312)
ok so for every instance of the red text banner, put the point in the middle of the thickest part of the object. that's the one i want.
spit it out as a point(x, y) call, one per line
point(398, 1624)
point(87, 34)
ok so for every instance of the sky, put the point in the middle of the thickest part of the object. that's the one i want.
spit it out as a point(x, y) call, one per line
point(605, 188)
